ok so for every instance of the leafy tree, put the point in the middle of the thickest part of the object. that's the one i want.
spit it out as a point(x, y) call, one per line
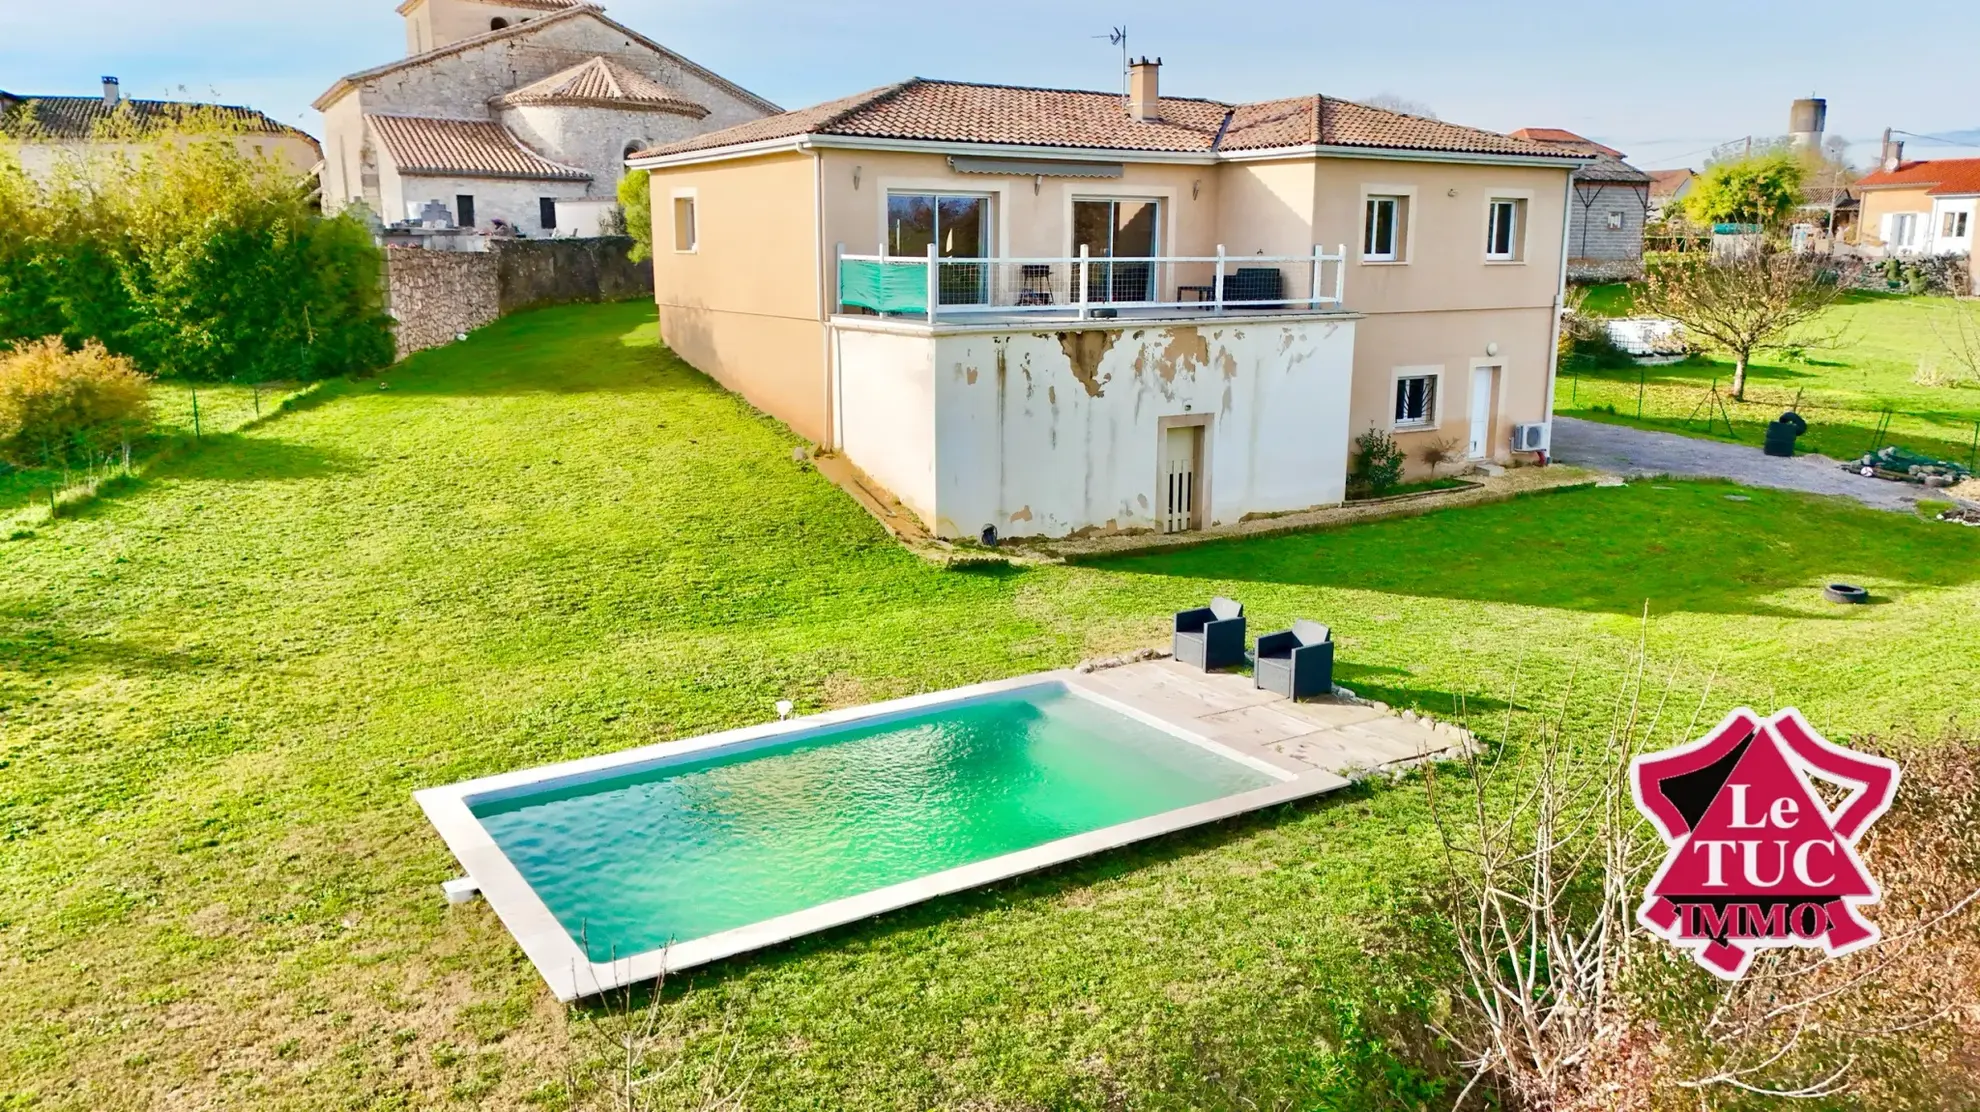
point(1744, 302)
point(1763, 190)
point(193, 258)
point(636, 201)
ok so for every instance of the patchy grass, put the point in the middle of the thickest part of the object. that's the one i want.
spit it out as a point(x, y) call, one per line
point(220, 685)
point(1610, 299)
point(1843, 393)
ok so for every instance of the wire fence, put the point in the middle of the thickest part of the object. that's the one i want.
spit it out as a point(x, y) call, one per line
point(1841, 428)
point(183, 415)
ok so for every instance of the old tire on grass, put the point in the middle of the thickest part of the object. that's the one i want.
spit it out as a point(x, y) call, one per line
point(1845, 593)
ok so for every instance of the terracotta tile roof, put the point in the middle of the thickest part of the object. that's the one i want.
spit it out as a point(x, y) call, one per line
point(464, 148)
point(1945, 176)
point(603, 83)
point(81, 117)
point(956, 112)
point(1608, 169)
point(1562, 137)
point(348, 82)
point(1666, 183)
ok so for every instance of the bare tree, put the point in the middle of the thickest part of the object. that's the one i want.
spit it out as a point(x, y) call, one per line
point(1396, 102)
point(1746, 301)
point(1567, 1005)
point(1958, 331)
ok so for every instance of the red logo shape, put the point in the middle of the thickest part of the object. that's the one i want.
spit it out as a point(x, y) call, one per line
point(1756, 859)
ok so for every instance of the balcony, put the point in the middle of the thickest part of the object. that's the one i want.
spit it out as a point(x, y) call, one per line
point(1084, 287)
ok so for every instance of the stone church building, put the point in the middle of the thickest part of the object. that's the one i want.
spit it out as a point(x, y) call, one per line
point(518, 111)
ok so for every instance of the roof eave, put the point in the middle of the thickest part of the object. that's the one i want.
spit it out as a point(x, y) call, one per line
point(1408, 154)
point(812, 140)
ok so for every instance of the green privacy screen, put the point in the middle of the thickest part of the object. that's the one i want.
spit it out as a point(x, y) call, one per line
point(884, 287)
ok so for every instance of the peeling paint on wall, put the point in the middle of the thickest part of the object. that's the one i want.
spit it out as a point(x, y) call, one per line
point(1085, 350)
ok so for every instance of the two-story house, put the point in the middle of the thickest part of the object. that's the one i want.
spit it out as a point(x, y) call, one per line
point(1042, 311)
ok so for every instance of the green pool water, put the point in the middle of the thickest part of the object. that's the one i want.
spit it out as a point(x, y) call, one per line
point(676, 853)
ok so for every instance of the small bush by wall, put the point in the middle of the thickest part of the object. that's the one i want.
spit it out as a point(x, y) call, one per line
point(68, 408)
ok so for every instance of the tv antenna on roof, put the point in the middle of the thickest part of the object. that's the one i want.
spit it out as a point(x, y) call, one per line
point(1118, 37)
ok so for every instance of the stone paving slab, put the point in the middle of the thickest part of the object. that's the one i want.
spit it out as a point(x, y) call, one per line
point(1334, 736)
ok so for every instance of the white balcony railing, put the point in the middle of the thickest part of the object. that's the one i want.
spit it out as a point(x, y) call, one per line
point(1085, 287)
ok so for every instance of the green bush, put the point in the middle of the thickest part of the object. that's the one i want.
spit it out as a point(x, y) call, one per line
point(1378, 465)
point(68, 408)
point(636, 203)
point(195, 260)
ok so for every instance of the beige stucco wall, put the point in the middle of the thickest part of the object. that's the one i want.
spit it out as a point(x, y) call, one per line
point(745, 306)
point(1451, 344)
point(1879, 203)
point(1031, 218)
point(295, 151)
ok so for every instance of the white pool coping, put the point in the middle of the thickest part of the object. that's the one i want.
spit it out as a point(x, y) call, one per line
point(570, 972)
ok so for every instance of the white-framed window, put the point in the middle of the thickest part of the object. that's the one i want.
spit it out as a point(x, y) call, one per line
point(1900, 227)
point(687, 234)
point(1504, 220)
point(1382, 233)
point(1955, 226)
point(1615, 221)
point(1416, 398)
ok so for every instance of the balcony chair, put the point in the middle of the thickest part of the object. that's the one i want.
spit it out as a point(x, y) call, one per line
point(1297, 663)
point(1034, 284)
point(1260, 287)
point(1211, 637)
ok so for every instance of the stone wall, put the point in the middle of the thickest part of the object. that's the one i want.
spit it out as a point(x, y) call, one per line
point(537, 272)
point(437, 295)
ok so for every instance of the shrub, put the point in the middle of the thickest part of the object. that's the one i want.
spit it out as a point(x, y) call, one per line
point(1378, 464)
point(192, 258)
point(62, 407)
point(1439, 452)
point(636, 203)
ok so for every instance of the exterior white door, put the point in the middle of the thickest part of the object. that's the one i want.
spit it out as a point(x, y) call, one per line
point(1482, 379)
point(1178, 478)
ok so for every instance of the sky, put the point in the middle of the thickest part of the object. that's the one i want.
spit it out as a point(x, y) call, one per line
point(1664, 83)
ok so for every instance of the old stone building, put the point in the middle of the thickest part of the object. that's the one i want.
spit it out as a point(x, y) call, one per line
point(1611, 202)
point(517, 111)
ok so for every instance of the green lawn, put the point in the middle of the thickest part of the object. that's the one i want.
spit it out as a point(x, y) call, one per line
point(1843, 392)
point(219, 688)
point(221, 409)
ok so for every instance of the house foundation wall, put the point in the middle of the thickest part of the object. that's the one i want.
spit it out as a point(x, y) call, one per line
point(1054, 432)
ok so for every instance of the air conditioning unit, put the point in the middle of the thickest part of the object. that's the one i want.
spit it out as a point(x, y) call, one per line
point(1532, 438)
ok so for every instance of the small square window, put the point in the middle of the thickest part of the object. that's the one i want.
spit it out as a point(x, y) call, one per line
point(1382, 238)
point(684, 229)
point(1502, 230)
point(1416, 401)
point(546, 213)
point(1615, 221)
point(1955, 226)
point(464, 209)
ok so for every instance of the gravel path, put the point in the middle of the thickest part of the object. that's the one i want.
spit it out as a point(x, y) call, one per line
point(1627, 451)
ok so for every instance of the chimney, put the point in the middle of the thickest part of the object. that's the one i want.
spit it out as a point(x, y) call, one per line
point(1893, 153)
point(113, 93)
point(1145, 90)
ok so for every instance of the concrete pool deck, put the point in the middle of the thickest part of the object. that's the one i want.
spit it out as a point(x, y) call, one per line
point(1306, 749)
point(1338, 738)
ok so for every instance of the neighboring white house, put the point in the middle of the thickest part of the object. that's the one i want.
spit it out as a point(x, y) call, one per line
point(1920, 207)
point(518, 111)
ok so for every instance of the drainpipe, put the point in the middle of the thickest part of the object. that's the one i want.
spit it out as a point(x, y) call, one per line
point(1560, 298)
point(828, 433)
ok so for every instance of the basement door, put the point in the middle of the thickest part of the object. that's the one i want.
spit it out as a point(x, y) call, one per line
point(1483, 380)
point(1179, 495)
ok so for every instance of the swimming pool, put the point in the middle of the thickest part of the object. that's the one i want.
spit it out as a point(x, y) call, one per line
point(618, 868)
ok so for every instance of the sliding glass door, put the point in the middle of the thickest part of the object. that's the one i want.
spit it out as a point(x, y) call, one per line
point(1118, 228)
point(959, 227)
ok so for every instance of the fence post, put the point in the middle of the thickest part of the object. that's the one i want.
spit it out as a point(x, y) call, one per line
point(839, 277)
point(1973, 449)
point(195, 401)
point(1639, 392)
point(1220, 278)
point(1313, 301)
point(934, 282)
point(1085, 268)
point(1340, 276)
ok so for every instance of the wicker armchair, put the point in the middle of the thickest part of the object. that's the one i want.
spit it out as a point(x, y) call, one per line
point(1211, 637)
point(1297, 663)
